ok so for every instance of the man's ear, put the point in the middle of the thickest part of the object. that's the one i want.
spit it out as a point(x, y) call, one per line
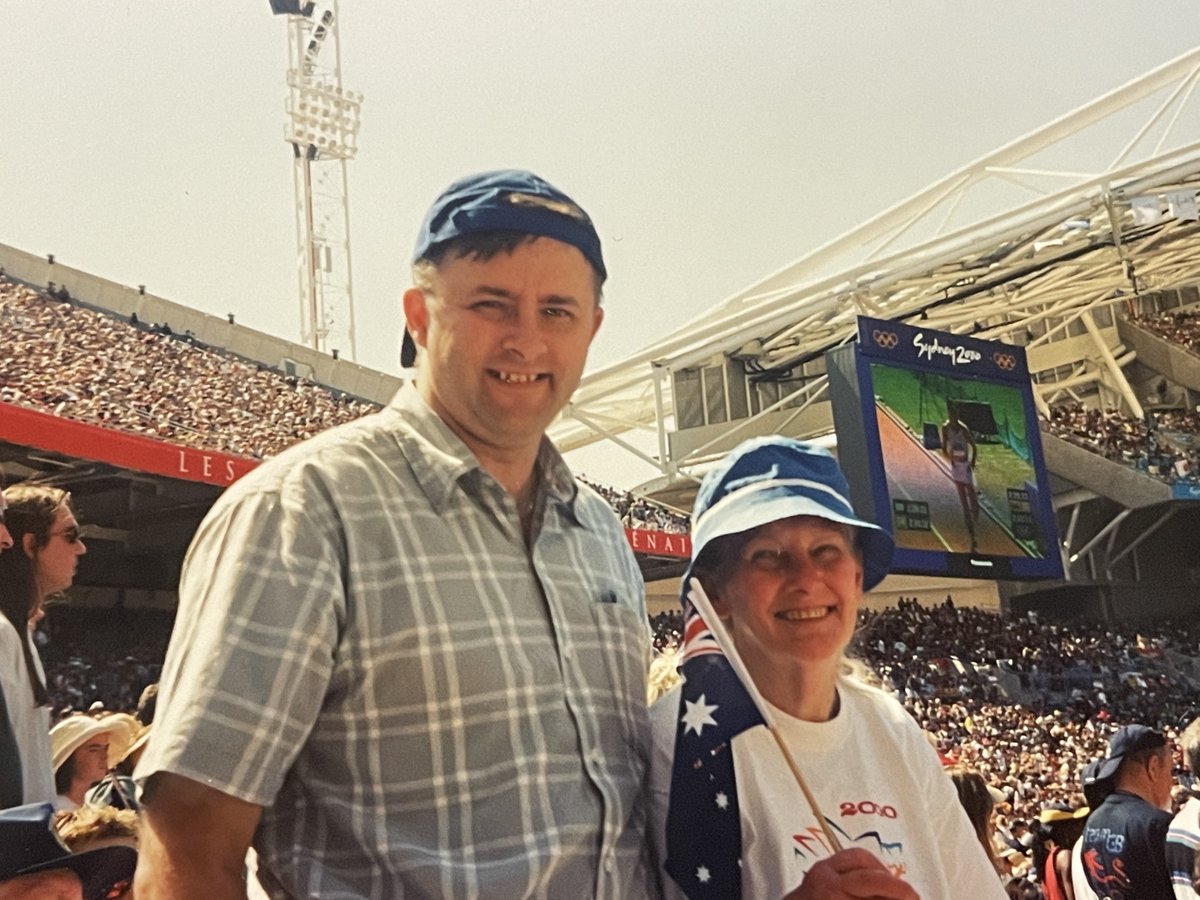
point(29, 544)
point(416, 314)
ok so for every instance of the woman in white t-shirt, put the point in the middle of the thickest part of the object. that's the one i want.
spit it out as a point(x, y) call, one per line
point(784, 559)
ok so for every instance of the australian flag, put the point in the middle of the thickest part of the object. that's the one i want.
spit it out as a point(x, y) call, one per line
point(704, 832)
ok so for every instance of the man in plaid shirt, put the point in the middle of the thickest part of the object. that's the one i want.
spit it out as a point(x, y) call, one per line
point(410, 653)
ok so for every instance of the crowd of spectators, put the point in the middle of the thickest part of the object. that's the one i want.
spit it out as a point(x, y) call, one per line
point(1028, 702)
point(1025, 702)
point(63, 358)
point(104, 656)
point(1164, 444)
point(638, 512)
point(1180, 327)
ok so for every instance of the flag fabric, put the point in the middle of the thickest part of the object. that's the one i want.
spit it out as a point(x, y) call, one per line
point(1146, 210)
point(704, 831)
point(1182, 205)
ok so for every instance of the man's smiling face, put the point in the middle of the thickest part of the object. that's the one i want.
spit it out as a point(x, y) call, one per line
point(505, 341)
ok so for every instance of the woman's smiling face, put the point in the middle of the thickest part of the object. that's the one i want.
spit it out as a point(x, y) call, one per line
point(791, 594)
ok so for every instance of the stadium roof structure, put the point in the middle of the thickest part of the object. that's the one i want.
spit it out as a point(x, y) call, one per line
point(1026, 244)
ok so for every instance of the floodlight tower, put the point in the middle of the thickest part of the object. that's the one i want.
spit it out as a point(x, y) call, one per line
point(323, 121)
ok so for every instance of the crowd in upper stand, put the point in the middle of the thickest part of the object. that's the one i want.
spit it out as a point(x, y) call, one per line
point(141, 377)
point(1179, 327)
point(638, 512)
point(71, 361)
point(66, 359)
point(1163, 444)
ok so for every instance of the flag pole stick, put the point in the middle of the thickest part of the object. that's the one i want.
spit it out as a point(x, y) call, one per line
point(700, 599)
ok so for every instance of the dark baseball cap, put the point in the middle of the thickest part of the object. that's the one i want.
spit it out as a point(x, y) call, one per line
point(1128, 739)
point(504, 200)
point(29, 844)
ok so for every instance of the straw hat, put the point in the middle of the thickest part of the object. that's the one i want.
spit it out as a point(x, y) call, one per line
point(136, 742)
point(72, 733)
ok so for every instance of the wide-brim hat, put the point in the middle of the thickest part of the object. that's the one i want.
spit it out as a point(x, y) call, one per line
point(766, 479)
point(73, 732)
point(1060, 812)
point(29, 844)
point(140, 737)
point(504, 200)
point(1128, 739)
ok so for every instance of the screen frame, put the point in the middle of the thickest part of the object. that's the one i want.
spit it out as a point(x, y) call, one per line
point(928, 351)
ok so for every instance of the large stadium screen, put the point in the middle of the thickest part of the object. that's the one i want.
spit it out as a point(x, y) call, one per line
point(939, 439)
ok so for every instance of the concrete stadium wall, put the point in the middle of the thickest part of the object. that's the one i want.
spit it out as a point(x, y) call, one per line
point(124, 301)
point(817, 417)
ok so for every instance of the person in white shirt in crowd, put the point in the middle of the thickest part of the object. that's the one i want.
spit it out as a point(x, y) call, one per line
point(42, 562)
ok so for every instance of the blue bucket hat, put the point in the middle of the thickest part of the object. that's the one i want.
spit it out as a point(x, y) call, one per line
point(505, 200)
point(766, 479)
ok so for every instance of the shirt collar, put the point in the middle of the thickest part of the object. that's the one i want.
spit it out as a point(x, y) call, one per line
point(440, 459)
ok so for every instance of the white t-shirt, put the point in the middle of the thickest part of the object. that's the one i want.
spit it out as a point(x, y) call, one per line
point(31, 724)
point(877, 781)
point(1083, 890)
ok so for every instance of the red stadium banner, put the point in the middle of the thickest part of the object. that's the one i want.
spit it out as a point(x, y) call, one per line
point(659, 543)
point(82, 440)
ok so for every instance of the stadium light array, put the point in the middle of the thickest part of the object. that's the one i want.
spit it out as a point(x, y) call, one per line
point(323, 116)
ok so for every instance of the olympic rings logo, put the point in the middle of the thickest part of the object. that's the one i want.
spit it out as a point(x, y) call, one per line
point(885, 339)
point(1005, 361)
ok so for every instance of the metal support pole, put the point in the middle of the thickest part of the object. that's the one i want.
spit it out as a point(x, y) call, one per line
point(665, 464)
point(1118, 376)
point(1112, 525)
point(1132, 545)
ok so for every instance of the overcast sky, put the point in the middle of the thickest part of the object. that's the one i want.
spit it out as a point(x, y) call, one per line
point(711, 142)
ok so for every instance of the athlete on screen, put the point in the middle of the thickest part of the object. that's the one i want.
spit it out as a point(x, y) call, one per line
point(958, 444)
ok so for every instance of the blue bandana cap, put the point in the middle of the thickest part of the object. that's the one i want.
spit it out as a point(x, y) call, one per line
point(766, 479)
point(509, 200)
point(505, 200)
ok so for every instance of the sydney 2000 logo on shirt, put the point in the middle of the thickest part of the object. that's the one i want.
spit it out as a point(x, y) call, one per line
point(860, 823)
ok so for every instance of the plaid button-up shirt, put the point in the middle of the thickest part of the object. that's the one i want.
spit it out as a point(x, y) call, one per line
point(425, 706)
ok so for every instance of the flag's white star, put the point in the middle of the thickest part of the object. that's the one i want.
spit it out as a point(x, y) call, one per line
point(722, 800)
point(698, 715)
point(703, 875)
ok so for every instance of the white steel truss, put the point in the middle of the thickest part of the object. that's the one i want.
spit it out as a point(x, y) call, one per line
point(1021, 245)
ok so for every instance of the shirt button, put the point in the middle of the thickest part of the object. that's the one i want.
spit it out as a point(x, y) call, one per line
point(609, 861)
